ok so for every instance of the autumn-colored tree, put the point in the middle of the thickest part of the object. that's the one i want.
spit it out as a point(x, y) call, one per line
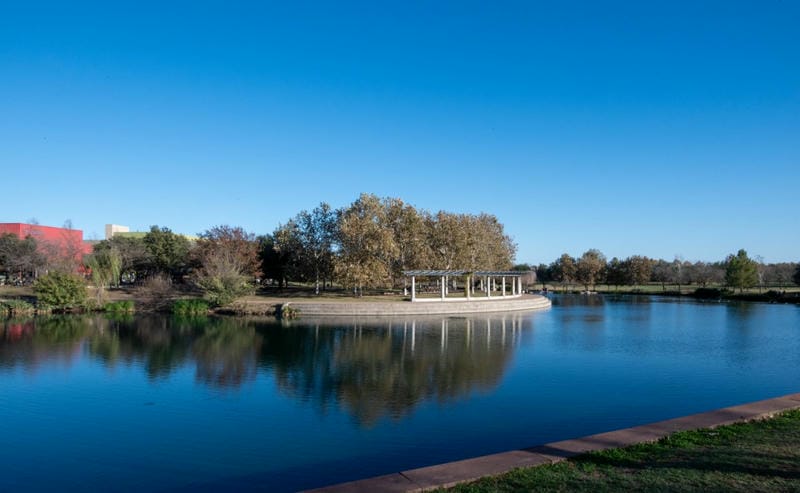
point(409, 234)
point(589, 267)
point(638, 269)
point(240, 246)
point(563, 269)
point(366, 245)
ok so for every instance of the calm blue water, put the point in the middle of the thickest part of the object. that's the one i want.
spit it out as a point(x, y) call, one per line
point(157, 404)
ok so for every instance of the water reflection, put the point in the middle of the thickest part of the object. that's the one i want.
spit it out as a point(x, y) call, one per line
point(30, 344)
point(377, 368)
point(372, 367)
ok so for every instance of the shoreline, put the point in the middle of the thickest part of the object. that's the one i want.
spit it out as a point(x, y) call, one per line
point(467, 470)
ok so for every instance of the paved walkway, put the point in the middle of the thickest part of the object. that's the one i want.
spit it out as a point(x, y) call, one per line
point(452, 473)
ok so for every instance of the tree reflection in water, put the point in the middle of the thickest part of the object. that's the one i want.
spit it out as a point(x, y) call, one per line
point(372, 367)
point(380, 368)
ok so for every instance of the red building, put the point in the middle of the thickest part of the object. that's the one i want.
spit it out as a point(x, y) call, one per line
point(51, 240)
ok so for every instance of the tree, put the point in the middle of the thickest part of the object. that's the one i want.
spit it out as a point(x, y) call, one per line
point(135, 261)
point(106, 267)
point(221, 278)
point(679, 271)
point(740, 271)
point(366, 244)
point(796, 276)
point(277, 253)
point(638, 270)
point(543, 274)
point(409, 233)
point(703, 273)
point(240, 246)
point(615, 273)
point(168, 252)
point(662, 273)
point(563, 269)
point(780, 274)
point(589, 267)
point(20, 257)
point(316, 233)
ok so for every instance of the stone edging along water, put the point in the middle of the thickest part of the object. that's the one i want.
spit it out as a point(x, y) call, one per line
point(389, 308)
point(452, 473)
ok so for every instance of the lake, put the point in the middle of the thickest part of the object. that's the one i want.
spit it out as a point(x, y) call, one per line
point(155, 403)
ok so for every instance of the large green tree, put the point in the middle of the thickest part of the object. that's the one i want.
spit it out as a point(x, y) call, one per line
point(740, 271)
point(168, 252)
point(20, 257)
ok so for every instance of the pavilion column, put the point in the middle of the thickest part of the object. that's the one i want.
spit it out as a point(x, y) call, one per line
point(519, 280)
point(504, 286)
point(446, 281)
point(513, 286)
point(413, 289)
point(443, 287)
point(487, 284)
point(467, 286)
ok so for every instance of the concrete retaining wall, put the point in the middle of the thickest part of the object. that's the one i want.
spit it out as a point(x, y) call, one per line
point(526, 302)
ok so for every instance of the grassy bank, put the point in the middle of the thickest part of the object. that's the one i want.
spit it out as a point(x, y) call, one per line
point(755, 456)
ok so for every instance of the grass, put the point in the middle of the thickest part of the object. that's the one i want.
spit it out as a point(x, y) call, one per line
point(190, 307)
point(657, 288)
point(125, 306)
point(15, 308)
point(754, 456)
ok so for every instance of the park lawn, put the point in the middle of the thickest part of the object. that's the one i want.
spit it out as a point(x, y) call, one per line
point(754, 456)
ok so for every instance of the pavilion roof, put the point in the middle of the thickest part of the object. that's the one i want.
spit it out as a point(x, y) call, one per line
point(479, 273)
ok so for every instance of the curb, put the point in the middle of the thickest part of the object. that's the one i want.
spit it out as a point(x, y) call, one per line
point(453, 473)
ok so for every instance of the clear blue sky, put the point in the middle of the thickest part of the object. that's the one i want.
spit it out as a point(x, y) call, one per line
point(655, 128)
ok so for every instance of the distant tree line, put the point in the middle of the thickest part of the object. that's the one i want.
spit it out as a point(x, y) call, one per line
point(367, 244)
point(737, 271)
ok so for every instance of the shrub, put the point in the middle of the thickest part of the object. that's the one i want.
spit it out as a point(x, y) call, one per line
point(15, 308)
point(222, 280)
point(711, 293)
point(157, 293)
point(119, 307)
point(60, 291)
point(288, 312)
point(190, 307)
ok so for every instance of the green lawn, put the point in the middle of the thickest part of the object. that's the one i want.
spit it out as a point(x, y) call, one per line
point(755, 456)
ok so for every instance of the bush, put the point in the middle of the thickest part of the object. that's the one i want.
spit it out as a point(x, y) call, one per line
point(157, 293)
point(119, 307)
point(222, 281)
point(190, 307)
point(288, 312)
point(60, 291)
point(710, 293)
